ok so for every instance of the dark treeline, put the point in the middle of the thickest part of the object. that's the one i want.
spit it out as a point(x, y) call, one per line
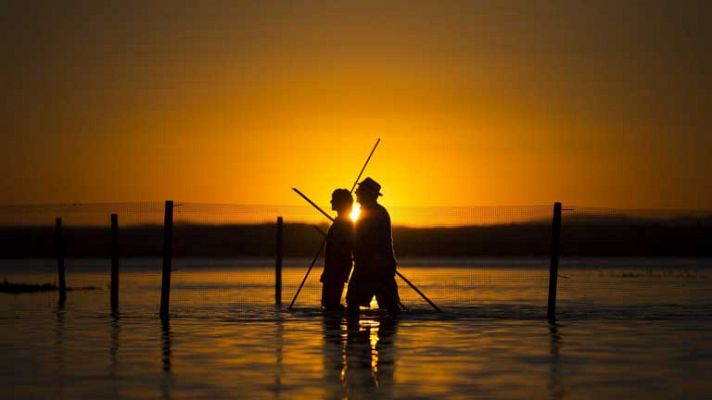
point(580, 237)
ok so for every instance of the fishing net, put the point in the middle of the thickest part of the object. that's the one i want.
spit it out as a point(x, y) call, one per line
point(452, 254)
point(487, 261)
point(643, 262)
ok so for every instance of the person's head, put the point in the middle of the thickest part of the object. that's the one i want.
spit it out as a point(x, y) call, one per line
point(341, 201)
point(368, 192)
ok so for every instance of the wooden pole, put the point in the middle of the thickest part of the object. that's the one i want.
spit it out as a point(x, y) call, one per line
point(419, 292)
point(278, 262)
point(114, 263)
point(59, 242)
point(554, 265)
point(167, 258)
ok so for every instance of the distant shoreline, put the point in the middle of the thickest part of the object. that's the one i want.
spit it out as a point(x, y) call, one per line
point(48, 265)
point(20, 288)
point(582, 237)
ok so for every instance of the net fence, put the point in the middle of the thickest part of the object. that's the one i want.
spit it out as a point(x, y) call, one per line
point(635, 262)
point(491, 261)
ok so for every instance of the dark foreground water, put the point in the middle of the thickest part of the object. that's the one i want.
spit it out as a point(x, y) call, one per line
point(629, 329)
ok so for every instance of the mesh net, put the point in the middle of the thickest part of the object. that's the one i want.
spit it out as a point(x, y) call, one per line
point(493, 261)
point(642, 262)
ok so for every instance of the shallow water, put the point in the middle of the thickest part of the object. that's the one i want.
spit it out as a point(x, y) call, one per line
point(633, 329)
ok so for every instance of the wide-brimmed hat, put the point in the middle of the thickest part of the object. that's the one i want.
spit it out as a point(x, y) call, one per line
point(369, 185)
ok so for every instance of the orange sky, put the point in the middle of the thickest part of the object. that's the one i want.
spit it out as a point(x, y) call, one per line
point(477, 103)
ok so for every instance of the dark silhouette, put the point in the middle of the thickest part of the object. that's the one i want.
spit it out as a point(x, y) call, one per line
point(375, 264)
point(167, 260)
point(59, 243)
point(114, 263)
point(338, 257)
point(278, 262)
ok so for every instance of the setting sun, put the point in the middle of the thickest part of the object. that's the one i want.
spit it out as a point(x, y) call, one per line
point(355, 212)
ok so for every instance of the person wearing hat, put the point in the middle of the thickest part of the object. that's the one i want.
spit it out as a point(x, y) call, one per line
point(338, 257)
point(374, 261)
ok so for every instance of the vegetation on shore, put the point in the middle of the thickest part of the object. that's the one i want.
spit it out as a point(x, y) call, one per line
point(11, 287)
point(589, 236)
point(17, 288)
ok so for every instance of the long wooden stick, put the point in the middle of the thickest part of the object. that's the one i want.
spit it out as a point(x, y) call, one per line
point(297, 191)
point(363, 168)
point(167, 259)
point(419, 292)
point(397, 273)
point(365, 164)
point(307, 275)
point(114, 296)
point(323, 243)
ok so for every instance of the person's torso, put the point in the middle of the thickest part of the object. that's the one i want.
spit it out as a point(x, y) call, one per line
point(338, 253)
point(372, 237)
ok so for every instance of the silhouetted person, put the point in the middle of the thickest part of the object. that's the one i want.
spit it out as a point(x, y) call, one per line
point(375, 264)
point(338, 257)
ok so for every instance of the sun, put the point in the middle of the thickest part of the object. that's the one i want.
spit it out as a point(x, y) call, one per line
point(355, 212)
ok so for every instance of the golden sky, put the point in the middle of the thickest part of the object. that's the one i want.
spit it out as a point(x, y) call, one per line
point(477, 102)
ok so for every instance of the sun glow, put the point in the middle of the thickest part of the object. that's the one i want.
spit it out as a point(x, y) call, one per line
point(355, 211)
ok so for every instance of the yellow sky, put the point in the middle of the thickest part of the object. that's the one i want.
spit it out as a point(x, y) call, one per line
point(477, 103)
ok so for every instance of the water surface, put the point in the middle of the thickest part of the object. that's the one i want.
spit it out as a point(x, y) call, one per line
point(633, 329)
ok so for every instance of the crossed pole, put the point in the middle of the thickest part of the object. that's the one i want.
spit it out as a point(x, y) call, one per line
point(397, 272)
point(323, 243)
point(326, 238)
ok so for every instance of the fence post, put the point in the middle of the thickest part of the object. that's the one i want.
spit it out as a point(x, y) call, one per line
point(114, 263)
point(59, 242)
point(278, 263)
point(554, 265)
point(167, 258)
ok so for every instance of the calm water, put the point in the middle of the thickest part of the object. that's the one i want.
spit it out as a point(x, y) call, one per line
point(628, 329)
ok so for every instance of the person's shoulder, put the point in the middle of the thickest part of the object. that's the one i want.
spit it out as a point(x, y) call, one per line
point(343, 222)
point(381, 211)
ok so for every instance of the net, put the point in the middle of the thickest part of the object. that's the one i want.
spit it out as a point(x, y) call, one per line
point(619, 263)
point(454, 255)
point(478, 261)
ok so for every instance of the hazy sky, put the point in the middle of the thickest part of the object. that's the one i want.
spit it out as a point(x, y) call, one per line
point(477, 102)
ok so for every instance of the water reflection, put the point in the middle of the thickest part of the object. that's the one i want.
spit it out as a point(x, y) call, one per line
point(59, 349)
point(334, 358)
point(113, 353)
point(279, 358)
point(166, 345)
point(167, 381)
point(359, 362)
point(556, 390)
